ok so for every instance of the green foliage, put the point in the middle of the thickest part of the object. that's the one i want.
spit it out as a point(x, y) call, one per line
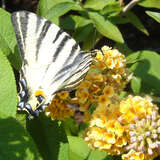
point(8, 98)
point(136, 85)
point(98, 19)
point(105, 27)
point(49, 137)
point(150, 3)
point(154, 15)
point(60, 9)
point(16, 143)
point(8, 40)
point(136, 22)
point(145, 64)
point(88, 22)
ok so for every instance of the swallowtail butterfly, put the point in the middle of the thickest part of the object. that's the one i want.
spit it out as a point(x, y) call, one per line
point(51, 61)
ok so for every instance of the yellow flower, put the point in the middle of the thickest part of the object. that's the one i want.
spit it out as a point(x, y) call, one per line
point(58, 109)
point(82, 95)
point(110, 63)
point(103, 100)
point(96, 133)
point(99, 56)
point(63, 95)
point(110, 137)
point(121, 141)
point(108, 91)
point(99, 122)
point(100, 65)
point(97, 77)
point(94, 89)
point(85, 84)
point(105, 146)
point(136, 107)
point(133, 155)
point(105, 49)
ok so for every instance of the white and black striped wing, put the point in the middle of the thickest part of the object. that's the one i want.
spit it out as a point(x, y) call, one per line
point(51, 59)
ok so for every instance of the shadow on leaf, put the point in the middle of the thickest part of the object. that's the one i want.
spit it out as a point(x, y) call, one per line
point(15, 142)
point(49, 137)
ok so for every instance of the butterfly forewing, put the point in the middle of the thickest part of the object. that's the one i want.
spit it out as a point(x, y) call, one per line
point(51, 59)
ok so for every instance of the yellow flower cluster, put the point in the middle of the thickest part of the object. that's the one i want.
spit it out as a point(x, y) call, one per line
point(59, 108)
point(107, 76)
point(130, 128)
point(105, 132)
point(114, 67)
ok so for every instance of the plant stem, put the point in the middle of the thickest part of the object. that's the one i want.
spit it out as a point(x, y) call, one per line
point(129, 6)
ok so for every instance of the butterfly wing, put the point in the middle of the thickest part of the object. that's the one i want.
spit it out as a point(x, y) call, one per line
point(51, 59)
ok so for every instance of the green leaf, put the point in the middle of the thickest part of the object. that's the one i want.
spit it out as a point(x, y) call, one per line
point(80, 21)
point(91, 40)
point(67, 23)
point(111, 8)
point(72, 22)
point(82, 32)
point(136, 85)
point(45, 5)
point(109, 157)
point(79, 149)
point(16, 143)
point(106, 28)
point(60, 9)
point(136, 22)
point(118, 20)
point(49, 137)
point(94, 4)
point(6, 29)
point(7, 37)
point(150, 3)
point(154, 15)
point(8, 98)
point(123, 48)
point(146, 69)
point(97, 155)
point(70, 126)
point(4, 46)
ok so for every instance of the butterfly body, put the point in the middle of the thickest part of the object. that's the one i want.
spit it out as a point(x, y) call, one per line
point(51, 61)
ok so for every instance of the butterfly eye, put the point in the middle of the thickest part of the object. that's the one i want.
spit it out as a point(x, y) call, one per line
point(40, 98)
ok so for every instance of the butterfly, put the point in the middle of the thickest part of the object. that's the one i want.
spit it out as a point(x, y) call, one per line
point(51, 61)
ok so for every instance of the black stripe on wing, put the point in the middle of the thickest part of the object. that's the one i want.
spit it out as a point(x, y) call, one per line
point(81, 70)
point(38, 23)
point(58, 35)
point(20, 27)
point(73, 50)
point(42, 35)
point(61, 46)
point(80, 76)
point(79, 62)
point(69, 66)
point(76, 76)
